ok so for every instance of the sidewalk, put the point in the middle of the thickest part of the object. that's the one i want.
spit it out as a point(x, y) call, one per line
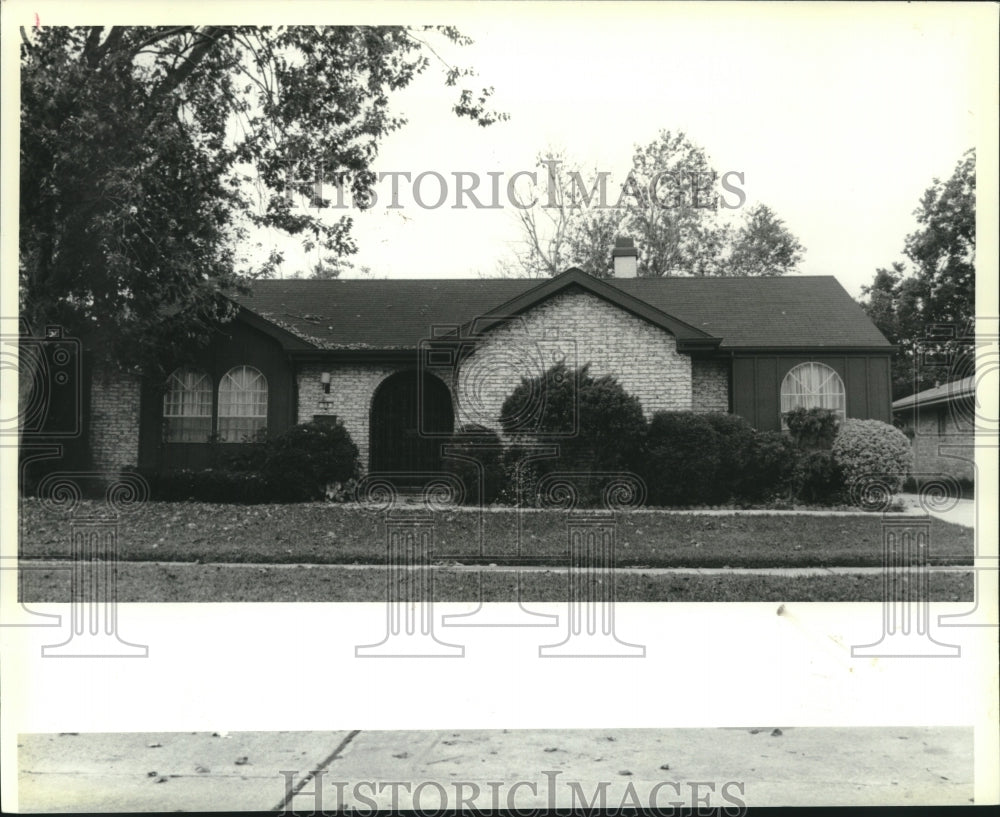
point(764, 766)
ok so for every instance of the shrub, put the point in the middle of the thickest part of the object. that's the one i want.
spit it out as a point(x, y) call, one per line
point(698, 459)
point(302, 461)
point(210, 485)
point(812, 429)
point(770, 467)
point(296, 466)
point(872, 449)
point(682, 459)
point(598, 426)
point(483, 446)
point(818, 479)
point(736, 439)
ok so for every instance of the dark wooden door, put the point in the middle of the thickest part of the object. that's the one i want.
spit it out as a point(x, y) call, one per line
point(403, 416)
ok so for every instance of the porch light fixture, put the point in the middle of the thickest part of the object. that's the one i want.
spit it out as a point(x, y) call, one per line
point(324, 378)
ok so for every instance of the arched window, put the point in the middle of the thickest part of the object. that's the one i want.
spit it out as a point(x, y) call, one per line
point(242, 404)
point(187, 407)
point(813, 385)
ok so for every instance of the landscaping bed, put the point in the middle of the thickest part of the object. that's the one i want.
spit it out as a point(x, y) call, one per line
point(330, 533)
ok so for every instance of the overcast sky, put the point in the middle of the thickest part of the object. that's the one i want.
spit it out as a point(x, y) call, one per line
point(839, 116)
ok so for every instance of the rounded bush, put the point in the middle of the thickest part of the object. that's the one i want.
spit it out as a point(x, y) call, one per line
point(871, 449)
point(598, 426)
point(302, 461)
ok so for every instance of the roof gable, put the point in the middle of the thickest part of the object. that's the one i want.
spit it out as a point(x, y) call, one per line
point(688, 337)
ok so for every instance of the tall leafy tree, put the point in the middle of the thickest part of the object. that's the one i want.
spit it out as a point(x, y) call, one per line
point(149, 153)
point(668, 203)
point(932, 304)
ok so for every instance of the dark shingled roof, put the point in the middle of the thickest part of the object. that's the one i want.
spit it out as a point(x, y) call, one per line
point(807, 312)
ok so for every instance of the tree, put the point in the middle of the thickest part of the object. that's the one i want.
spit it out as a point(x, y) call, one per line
point(941, 289)
point(148, 154)
point(668, 203)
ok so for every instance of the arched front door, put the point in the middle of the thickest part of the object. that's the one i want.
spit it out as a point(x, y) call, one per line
point(402, 414)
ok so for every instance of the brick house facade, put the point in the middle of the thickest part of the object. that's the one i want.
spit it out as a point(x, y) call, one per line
point(941, 423)
point(362, 353)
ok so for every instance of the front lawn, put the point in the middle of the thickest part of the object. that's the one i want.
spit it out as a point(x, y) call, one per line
point(325, 533)
point(150, 583)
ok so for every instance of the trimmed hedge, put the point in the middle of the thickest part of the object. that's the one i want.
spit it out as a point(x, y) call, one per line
point(735, 473)
point(871, 449)
point(296, 466)
point(682, 459)
point(711, 459)
point(770, 467)
point(210, 485)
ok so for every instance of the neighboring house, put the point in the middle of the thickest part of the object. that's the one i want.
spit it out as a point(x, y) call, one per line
point(941, 424)
point(368, 353)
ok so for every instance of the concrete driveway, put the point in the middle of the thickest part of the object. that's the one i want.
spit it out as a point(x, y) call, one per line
point(271, 771)
point(962, 513)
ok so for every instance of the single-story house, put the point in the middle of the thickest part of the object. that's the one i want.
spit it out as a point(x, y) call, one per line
point(941, 422)
point(402, 363)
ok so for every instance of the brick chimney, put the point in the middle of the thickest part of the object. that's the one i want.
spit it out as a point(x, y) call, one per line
point(625, 257)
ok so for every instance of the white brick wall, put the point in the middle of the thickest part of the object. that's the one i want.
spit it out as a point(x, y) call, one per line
point(350, 397)
point(585, 329)
point(710, 385)
point(114, 420)
point(933, 443)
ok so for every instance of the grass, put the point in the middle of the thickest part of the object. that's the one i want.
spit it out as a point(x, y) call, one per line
point(145, 582)
point(324, 533)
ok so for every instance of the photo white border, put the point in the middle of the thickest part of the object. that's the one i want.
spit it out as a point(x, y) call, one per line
point(291, 666)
